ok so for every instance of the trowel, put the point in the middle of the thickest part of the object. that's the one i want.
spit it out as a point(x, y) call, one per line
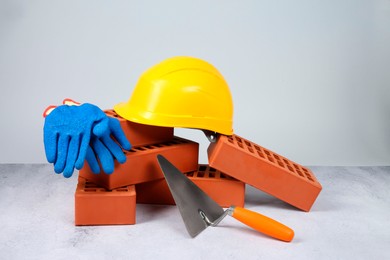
point(199, 211)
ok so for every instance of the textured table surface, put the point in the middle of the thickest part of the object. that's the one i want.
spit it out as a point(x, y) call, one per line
point(349, 220)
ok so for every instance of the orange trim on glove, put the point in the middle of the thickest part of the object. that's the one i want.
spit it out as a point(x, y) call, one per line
point(48, 110)
point(66, 101)
point(70, 102)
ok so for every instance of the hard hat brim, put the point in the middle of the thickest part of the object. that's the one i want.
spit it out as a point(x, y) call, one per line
point(184, 121)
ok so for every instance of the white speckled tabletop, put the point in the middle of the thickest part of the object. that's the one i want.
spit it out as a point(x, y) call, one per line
point(349, 220)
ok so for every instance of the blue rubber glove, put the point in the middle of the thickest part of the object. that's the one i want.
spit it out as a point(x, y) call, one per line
point(102, 146)
point(67, 135)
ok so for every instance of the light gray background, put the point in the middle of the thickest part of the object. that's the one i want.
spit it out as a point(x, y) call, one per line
point(310, 79)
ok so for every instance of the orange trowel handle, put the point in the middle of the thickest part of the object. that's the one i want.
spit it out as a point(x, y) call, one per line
point(263, 224)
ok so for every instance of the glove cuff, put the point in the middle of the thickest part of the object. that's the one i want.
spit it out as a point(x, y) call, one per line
point(48, 110)
point(70, 102)
point(66, 101)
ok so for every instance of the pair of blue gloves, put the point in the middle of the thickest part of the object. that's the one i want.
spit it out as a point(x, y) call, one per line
point(73, 134)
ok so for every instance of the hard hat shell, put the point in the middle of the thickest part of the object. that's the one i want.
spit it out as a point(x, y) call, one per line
point(181, 92)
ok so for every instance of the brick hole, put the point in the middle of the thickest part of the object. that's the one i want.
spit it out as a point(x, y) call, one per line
point(149, 147)
point(270, 159)
point(121, 189)
point(238, 139)
point(140, 148)
point(114, 114)
point(300, 173)
point(200, 174)
point(240, 145)
point(227, 177)
point(90, 185)
point(250, 149)
point(308, 175)
point(90, 190)
point(276, 156)
point(257, 147)
point(260, 154)
point(202, 168)
point(230, 139)
point(280, 163)
point(177, 141)
point(290, 168)
point(286, 161)
point(213, 172)
point(247, 143)
point(267, 152)
point(158, 145)
point(296, 166)
point(190, 174)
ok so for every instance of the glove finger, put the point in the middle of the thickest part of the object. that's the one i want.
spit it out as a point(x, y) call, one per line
point(114, 148)
point(50, 139)
point(104, 156)
point(92, 161)
point(118, 133)
point(84, 145)
point(73, 152)
point(101, 127)
point(63, 144)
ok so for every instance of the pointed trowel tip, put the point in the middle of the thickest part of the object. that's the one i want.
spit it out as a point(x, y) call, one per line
point(161, 159)
point(163, 162)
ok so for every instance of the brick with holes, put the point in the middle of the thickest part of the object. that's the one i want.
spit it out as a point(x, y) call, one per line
point(141, 163)
point(97, 206)
point(225, 190)
point(140, 134)
point(265, 170)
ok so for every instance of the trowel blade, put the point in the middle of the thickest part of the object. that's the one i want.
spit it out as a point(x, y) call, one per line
point(189, 198)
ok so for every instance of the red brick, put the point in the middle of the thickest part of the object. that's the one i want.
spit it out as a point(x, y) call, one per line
point(265, 170)
point(97, 206)
point(225, 190)
point(140, 134)
point(141, 163)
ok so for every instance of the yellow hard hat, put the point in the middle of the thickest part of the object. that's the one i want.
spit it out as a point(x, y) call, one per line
point(181, 92)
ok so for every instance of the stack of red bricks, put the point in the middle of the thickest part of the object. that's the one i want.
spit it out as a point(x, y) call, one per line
point(103, 199)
